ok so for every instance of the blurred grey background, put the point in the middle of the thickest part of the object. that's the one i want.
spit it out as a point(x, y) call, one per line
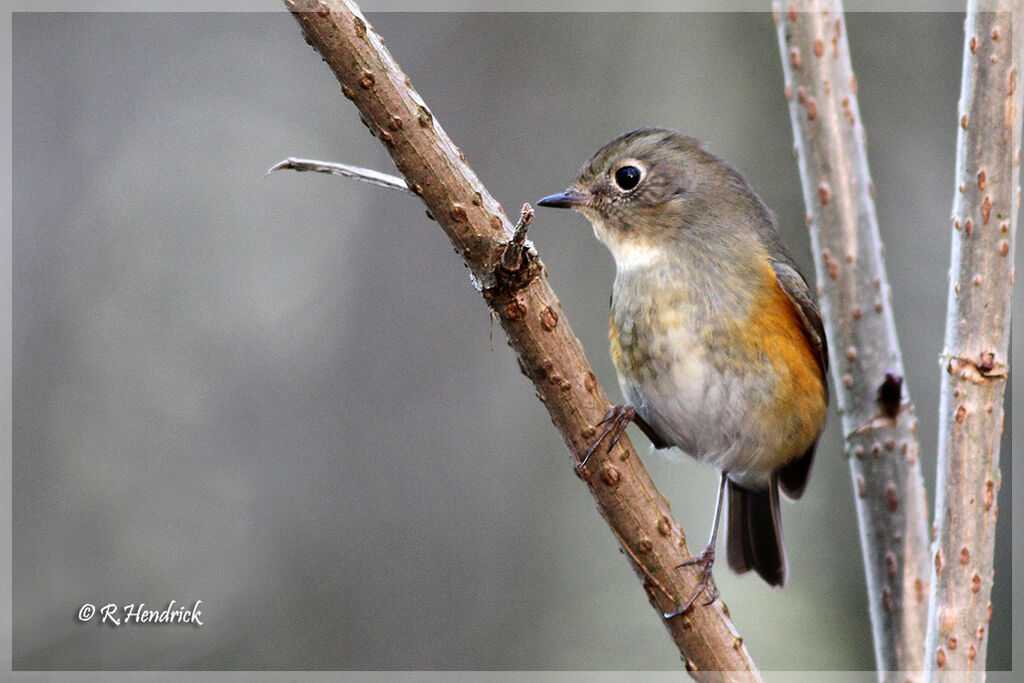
point(279, 395)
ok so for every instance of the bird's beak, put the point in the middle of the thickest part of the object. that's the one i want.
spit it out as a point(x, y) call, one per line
point(569, 199)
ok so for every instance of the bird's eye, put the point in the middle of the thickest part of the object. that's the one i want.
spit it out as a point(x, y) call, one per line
point(627, 177)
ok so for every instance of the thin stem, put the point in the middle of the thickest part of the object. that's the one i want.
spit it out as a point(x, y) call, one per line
point(878, 417)
point(364, 174)
point(975, 360)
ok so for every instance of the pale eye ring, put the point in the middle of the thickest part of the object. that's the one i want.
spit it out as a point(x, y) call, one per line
point(628, 176)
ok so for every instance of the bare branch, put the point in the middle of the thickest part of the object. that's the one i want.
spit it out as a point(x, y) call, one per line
point(878, 417)
point(975, 361)
point(365, 174)
point(531, 315)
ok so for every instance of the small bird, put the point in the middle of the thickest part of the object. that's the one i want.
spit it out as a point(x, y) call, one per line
point(716, 339)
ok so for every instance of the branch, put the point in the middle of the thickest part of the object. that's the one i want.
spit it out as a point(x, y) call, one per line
point(975, 359)
point(878, 417)
point(531, 315)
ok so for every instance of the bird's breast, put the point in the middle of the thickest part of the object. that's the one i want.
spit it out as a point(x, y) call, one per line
point(718, 367)
point(659, 342)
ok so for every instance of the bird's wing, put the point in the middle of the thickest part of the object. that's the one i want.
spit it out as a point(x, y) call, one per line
point(793, 477)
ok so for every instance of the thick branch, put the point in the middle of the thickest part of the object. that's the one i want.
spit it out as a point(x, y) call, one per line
point(531, 315)
point(878, 417)
point(975, 360)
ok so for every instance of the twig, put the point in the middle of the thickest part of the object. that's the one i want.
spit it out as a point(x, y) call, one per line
point(512, 256)
point(975, 360)
point(878, 417)
point(531, 316)
point(365, 174)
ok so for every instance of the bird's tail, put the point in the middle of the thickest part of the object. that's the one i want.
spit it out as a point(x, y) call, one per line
point(754, 534)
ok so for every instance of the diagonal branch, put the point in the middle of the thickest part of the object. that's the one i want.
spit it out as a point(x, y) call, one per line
point(878, 417)
point(531, 315)
point(975, 359)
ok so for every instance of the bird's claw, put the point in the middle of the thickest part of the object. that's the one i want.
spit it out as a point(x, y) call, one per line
point(615, 420)
point(706, 585)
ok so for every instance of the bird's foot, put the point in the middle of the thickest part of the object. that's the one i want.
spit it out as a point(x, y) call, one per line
point(615, 422)
point(706, 585)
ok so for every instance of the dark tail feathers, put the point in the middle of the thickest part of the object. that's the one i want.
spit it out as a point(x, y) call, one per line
point(754, 535)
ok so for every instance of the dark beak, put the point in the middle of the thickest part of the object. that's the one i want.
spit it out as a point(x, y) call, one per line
point(566, 200)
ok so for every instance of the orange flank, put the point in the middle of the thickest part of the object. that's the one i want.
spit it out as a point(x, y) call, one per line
point(616, 348)
point(775, 329)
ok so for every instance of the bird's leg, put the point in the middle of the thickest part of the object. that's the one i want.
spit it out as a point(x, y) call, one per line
point(706, 560)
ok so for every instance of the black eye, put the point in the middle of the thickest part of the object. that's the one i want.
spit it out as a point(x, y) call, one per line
point(627, 177)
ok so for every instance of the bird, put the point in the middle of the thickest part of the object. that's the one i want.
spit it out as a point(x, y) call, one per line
point(715, 336)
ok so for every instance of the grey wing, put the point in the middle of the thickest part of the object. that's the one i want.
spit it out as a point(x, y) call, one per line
point(793, 476)
point(795, 287)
